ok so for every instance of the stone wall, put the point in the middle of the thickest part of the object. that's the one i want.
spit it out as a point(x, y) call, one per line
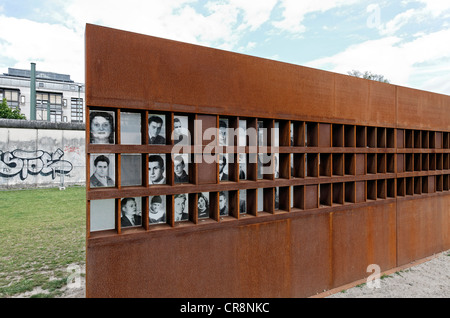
point(41, 154)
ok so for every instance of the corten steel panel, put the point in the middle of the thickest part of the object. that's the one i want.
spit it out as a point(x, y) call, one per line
point(418, 109)
point(175, 76)
point(256, 260)
point(422, 227)
point(361, 237)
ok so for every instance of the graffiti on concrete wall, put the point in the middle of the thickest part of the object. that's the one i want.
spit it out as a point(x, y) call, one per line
point(24, 163)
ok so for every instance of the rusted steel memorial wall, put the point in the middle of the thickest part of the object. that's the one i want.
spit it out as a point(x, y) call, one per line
point(316, 176)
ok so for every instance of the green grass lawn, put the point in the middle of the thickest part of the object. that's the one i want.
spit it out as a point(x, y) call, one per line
point(42, 231)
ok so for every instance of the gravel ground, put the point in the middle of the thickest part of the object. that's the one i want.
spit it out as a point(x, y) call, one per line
point(430, 279)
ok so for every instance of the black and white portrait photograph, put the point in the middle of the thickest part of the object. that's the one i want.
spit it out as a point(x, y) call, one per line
point(157, 129)
point(157, 209)
point(223, 203)
point(203, 205)
point(181, 168)
point(130, 128)
point(157, 169)
point(181, 135)
point(102, 215)
point(262, 134)
point(243, 201)
point(223, 132)
point(181, 206)
point(131, 169)
point(277, 198)
point(223, 167)
point(102, 167)
point(276, 164)
point(131, 212)
point(242, 166)
point(101, 125)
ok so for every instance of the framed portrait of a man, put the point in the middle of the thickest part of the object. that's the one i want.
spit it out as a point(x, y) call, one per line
point(130, 212)
point(181, 134)
point(181, 206)
point(181, 168)
point(102, 167)
point(156, 129)
point(223, 203)
point(157, 169)
point(157, 209)
point(223, 132)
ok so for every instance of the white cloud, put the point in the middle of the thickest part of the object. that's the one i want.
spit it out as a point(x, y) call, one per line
point(295, 11)
point(54, 48)
point(59, 47)
point(397, 60)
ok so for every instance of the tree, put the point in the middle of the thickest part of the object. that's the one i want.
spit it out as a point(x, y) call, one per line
point(369, 76)
point(7, 112)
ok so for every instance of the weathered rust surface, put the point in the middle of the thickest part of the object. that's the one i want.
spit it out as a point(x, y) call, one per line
point(295, 254)
point(362, 237)
point(282, 258)
point(422, 227)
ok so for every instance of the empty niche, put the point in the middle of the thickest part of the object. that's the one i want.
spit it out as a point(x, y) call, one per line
point(338, 193)
point(349, 136)
point(390, 188)
point(130, 128)
point(350, 192)
point(102, 215)
point(325, 194)
point(401, 187)
point(338, 135)
point(131, 169)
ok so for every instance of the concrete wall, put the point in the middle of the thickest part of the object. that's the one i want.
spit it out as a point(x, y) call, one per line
point(41, 154)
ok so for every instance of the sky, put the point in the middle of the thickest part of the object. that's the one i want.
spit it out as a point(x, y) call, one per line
point(406, 41)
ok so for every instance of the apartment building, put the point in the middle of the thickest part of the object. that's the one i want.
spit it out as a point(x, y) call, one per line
point(58, 98)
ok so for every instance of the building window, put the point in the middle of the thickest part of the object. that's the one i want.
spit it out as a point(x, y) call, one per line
point(76, 105)
point(12, 97)
point(49, 102)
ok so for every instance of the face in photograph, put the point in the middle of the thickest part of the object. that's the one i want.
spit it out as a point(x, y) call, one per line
point(100, 177)
point(203, 205)
point(155, 132)
point(101, 128)
point(223, 125)
point(129, 213)
point(157, 213)
point(156, 169)
point(223, 203)
point(179, 164)
point(223, 168)
point(180, 205)
point(180, 133)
